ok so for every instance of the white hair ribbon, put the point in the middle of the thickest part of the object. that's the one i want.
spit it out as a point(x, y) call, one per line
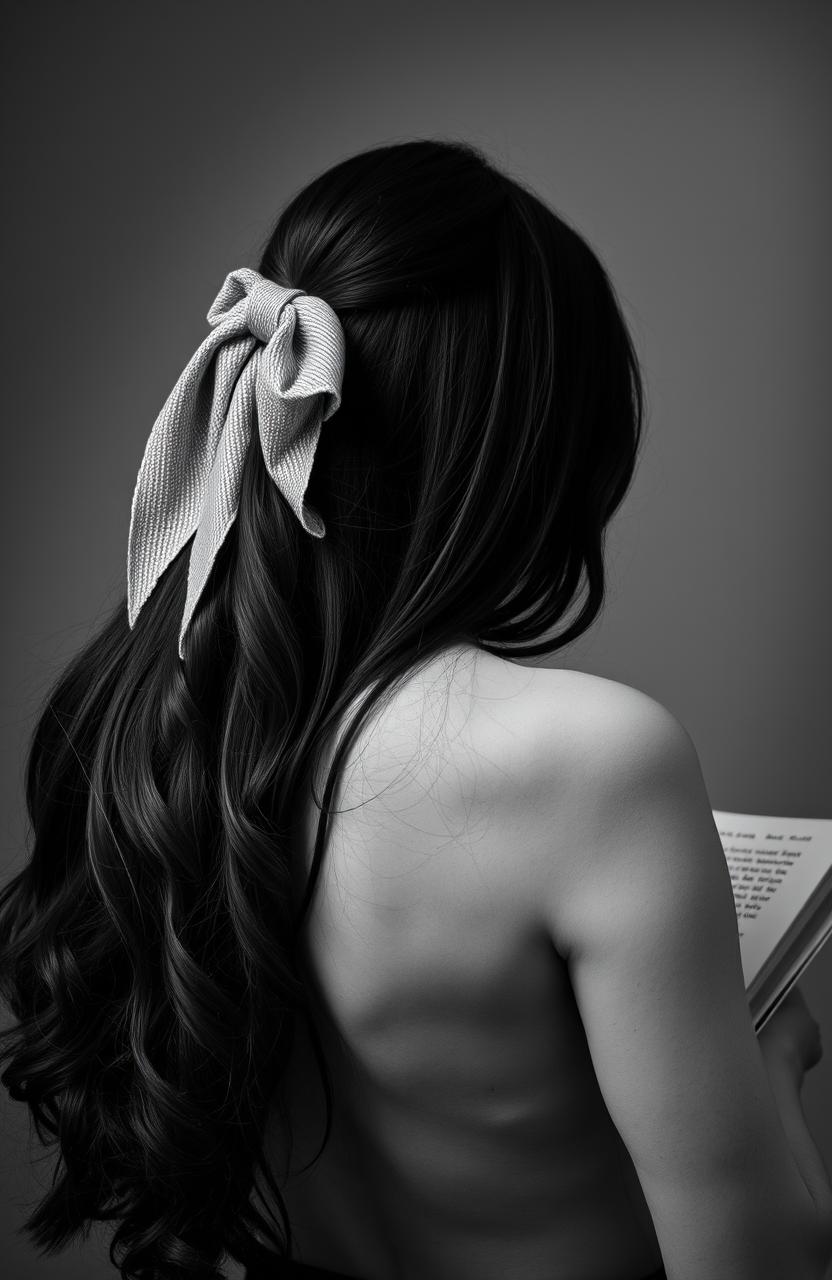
point(189, 479)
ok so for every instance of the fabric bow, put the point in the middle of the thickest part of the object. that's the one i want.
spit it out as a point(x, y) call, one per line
point(189, 479)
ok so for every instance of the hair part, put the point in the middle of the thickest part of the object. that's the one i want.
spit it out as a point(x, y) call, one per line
point(489, 427)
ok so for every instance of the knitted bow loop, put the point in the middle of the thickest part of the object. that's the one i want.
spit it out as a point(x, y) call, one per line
point(190, 477)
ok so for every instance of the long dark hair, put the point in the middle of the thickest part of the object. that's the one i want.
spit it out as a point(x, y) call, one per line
point(489, 427)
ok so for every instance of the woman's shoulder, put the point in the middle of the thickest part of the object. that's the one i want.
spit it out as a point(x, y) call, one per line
point(558, 727)
point(479, 730)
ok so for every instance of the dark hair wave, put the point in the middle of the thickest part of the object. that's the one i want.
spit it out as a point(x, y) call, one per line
point(489, 427)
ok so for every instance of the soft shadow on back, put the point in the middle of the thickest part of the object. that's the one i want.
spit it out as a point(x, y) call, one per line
point(469, 1135)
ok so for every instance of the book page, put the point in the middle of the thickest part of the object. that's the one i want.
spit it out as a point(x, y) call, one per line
point(776, 865)
point(788, 971)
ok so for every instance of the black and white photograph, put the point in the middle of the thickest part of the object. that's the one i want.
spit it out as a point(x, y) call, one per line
point(417, 656)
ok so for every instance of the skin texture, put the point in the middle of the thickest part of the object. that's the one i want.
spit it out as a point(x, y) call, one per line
point(525, 951)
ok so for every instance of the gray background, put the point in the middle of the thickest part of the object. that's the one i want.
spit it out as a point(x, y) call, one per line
point(148, 149)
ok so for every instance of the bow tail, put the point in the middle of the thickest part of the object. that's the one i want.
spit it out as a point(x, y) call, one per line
point(289, 433)
point(221, 499)
point(171, 483)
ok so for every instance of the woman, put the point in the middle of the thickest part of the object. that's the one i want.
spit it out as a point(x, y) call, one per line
point(349, 934)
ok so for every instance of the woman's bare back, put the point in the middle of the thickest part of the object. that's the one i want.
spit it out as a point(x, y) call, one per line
point(470, 1137)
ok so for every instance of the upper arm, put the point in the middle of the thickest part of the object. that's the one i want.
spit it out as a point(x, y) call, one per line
point(639, 901)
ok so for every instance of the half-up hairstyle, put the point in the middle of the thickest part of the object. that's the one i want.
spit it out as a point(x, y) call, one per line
point(489, 427)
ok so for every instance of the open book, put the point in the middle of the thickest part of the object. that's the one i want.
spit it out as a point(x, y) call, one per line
point(781, 874)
